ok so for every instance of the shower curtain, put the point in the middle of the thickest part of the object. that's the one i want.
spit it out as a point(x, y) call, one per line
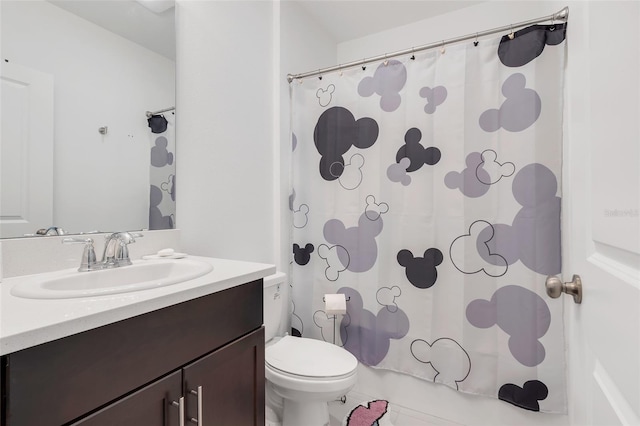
point(162, 191)
point(426, 189)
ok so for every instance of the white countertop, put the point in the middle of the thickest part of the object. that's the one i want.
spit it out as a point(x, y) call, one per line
point(29, 322)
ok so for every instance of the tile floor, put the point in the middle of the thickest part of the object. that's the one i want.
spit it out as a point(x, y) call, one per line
point(400, 416)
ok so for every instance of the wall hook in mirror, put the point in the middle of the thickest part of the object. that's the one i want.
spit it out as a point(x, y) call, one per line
point(157, 123)
point(103, 130)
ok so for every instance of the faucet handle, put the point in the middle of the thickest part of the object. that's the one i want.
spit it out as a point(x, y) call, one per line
point(135, 235)
point(125, 237)
point(122, 255)
point(122, 252)
point(88, 261)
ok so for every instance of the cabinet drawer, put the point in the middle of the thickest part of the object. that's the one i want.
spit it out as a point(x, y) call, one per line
point(57, 382)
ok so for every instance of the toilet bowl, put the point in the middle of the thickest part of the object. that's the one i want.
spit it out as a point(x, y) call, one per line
point(305, 374)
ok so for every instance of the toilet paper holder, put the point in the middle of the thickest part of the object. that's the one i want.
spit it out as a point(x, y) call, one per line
point(347, 298)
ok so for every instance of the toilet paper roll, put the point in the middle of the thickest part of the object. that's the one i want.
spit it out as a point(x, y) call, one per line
point(335, 304)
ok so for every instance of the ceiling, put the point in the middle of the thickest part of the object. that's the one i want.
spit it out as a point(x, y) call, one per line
point(342, 19)
point(350, 19)
point(129, 19)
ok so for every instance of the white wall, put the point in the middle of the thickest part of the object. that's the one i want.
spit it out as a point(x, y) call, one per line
point(480, 17)
point(233, 123)
point(100, 79)
point(225, 126)
point(407, 391)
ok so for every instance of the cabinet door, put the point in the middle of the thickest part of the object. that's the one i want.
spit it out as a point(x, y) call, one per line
point(150, 406)
point(231, 380)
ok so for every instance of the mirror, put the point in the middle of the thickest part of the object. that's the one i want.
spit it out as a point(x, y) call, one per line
point(77, 150)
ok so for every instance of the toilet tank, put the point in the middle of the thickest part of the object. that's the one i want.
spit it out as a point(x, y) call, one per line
point(273, 304)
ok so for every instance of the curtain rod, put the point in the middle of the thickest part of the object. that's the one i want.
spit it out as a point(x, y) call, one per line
point(150, 114)
point(561, 16)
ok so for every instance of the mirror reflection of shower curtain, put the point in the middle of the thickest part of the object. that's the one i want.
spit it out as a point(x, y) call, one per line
point(427, 190)
point(162, 192)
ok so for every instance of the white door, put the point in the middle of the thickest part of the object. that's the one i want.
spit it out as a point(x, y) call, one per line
point(601, 217)
point(26, 150)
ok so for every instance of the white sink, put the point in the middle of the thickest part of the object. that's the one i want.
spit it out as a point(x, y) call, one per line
point(142, 275)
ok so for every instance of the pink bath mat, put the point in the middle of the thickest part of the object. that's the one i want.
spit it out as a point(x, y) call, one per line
point(369, 413)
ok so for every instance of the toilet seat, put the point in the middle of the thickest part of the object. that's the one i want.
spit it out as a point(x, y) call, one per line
point(309, 359)
point(294, 386)
point(307, 378)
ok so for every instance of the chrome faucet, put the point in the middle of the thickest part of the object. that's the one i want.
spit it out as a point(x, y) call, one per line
point(116, 252)
point(52, 230)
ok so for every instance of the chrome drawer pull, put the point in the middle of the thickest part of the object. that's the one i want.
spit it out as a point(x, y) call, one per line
point(198, 392)
point(180, 406)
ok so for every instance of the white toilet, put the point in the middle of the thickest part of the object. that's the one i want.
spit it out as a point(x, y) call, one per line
point(305, 374)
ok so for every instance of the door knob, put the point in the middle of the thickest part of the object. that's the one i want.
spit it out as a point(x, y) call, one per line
point(555, 287)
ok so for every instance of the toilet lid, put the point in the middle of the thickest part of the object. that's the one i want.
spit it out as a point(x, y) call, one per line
point(310, 357)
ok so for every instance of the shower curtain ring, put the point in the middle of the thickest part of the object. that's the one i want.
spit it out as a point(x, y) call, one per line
point(319, 74)
point(364, 67)
point(511, 34)
point(386, 60)
point(413, 54)
point(442, 49)
point(475, 43)
point(340, 70)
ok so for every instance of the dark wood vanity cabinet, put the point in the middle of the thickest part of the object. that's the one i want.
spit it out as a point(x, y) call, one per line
point(134, 372)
